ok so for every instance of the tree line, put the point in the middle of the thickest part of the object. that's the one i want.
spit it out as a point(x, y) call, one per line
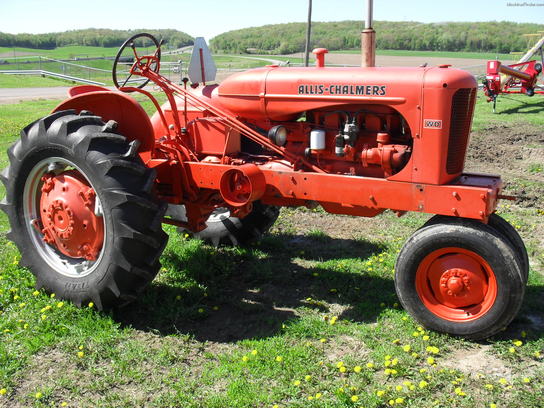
point(96, 37)
point(500, 37)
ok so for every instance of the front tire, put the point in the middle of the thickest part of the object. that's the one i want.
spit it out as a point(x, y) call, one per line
point(101, 243)
point(459, 278)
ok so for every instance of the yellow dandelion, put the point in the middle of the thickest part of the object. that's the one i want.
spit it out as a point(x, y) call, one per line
point(80, 347)
point(279, 359)
point(387, 357)
point(254, 352)
point(310, 397)
point(430, 360)
point(407, 348)
point(354, 398)
point(318, 395)
point(423, 384)
point(323, 340)
point(296, 383)
point(426, 338)
point(333, 320)
point(80, 354)
point(245, 359)
point(392, 402)
point(343, 369)
point(394, 362)
point(492, 405)
point(422, 370)
point(415, 334)
point(35, 293)
point(357, 369)
point(489, 386)
point(399, 387)
point(63, 404)
point(308, 377)
point(275, 406)
point(394, 372)
point(3, 391)
point(370, 365)
point(43, 317)
point(537, 354)
point(396, 341)
point(503, 381)
point(526, 380)
point(415, 355)
point(380, 393)
point(512, 350)
point(38, 395)
point(339, 364)
point(387, 371)
point(399, 400)
point(91, 305)
point(60, 304)
point(53, 295)
point(387, 363)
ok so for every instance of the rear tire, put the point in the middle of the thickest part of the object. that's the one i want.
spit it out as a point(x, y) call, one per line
point(459, 278)
point(133, 238)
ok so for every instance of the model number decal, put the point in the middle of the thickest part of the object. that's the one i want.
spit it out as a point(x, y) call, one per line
point(432, 124)
point(321, 89)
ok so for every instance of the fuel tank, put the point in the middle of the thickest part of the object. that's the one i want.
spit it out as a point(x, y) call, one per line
point(283, 93)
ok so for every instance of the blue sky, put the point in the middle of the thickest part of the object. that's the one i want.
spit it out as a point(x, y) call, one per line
point(208, 18)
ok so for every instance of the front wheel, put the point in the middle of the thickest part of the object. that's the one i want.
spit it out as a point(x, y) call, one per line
point(461, 279)
point(81, 209)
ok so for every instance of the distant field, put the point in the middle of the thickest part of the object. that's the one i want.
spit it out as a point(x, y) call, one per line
point(61, 52)
point(443, 54)
point(30, 81)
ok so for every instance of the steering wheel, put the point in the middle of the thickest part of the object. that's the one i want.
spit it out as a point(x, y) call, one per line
point(129, 67)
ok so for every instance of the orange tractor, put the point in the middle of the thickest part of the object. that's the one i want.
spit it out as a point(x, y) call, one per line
point(89, 186)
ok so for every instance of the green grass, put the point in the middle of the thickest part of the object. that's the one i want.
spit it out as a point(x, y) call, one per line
point(510, 109)
point(439, 54)
point(30, 81)
point(69, 52)
point(308, 317)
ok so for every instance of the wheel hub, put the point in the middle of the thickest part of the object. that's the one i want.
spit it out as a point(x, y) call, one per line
point(457, 280)
point(68, 217)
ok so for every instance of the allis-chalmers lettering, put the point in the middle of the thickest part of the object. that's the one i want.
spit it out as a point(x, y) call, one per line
point(367, 90)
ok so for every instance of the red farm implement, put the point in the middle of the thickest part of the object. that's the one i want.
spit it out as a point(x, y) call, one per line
point(89, 185)
point(519, 78)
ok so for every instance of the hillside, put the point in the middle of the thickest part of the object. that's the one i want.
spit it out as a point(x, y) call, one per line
point(97, 37)
point(501, 37)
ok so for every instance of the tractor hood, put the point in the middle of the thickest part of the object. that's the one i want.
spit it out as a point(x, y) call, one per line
point(281, 93)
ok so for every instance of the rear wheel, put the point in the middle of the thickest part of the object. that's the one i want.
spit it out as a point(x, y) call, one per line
point(461, 279)
point(79, 202)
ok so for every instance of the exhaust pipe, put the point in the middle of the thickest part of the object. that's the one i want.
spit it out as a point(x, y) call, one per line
point(368, 40)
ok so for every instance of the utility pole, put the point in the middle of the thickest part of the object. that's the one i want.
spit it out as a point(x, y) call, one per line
point(368, 39)
point(308, 34)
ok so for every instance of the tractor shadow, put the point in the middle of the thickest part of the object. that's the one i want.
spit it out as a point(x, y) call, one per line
point(230, 294)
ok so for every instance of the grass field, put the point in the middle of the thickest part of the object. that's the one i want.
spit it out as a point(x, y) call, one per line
point(30, 81)
point(307, 317)
point(69, 52)
point(439, 54)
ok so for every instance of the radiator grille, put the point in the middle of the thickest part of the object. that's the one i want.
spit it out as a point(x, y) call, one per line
point(462, 108)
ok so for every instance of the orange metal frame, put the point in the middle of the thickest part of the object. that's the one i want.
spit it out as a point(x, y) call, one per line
point(194, 141)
